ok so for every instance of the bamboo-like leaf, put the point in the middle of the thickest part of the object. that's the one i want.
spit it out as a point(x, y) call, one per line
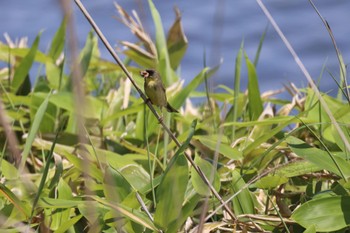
point(320, 158)
point(33, 131)
point(171, 190)
point(237, 109)
point(11, 197)
point(243, 203)
point(163, 57)
point(209, 171)
point(325, 214)
point(255, 102)
point(58, 41)
point(269, 182)
point(22, 70)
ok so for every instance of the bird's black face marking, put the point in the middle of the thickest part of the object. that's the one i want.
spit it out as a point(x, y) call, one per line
point(150, 72)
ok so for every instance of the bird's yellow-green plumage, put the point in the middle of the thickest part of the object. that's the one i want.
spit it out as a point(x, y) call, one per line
point(155, 90)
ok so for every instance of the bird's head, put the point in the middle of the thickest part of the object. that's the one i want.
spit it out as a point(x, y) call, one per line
point(152, 74)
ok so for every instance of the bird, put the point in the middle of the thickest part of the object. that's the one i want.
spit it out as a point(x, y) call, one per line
point(155, 89)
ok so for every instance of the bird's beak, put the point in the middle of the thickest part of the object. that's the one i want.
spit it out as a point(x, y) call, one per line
point(144, 74)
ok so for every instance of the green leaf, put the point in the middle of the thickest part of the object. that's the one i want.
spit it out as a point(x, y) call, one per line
point(255, 102)
point(22, 71)
point(222, 148)
point(64, 227)
point(163, 57)
point(269, 182)
point(130, 213)
point(47, 202)
point(60, 216)
point(186, 211)
point(142, 58)
point(115, 186)
point(325, 214)
point(296, 168)
point(33, 131)
point(209, 171)
point(93, 106)
point(53, 74)
point(172, 188)
point(48, 120)
point(237, 108)
point(171, 192)
point(87, 53)
point(320, 158)
point(11, 197)
point(58, 41)
point(242, 203)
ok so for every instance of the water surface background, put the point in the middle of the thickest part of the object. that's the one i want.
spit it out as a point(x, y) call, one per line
point(216, 26)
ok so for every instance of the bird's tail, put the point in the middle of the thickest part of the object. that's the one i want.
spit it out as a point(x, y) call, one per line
point(169, 108)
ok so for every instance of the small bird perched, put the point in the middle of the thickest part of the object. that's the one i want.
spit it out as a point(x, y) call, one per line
point(155, 90)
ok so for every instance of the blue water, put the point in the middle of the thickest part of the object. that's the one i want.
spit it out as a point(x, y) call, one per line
point(216, 26)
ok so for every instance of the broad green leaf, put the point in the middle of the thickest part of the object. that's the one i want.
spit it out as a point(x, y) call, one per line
point(136, 176)
point(171, 192)
point(325, 214)
point(269, 182)
point(186, 211)
point(255, 102)
point(320, 158)
point(22, 71)
point(222, 148)
point(115, 186)
point(243, 203)
point(296, 168)
point(209, 171)
point(172, 188)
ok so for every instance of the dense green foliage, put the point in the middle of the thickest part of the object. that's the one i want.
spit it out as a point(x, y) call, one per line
point(281, 165)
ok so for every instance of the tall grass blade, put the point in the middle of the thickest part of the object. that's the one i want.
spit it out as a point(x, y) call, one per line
point(255, 103)
point(33, 131)
point(237, 87)
point(22, 71)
